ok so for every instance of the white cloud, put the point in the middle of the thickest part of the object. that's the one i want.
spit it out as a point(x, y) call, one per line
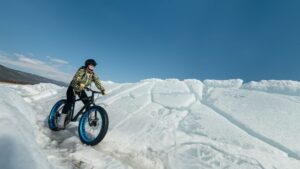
point(23, 58)
point(32, 65)
point(59, 61)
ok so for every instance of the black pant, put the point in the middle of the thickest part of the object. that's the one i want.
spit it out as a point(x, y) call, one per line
point(71, 99)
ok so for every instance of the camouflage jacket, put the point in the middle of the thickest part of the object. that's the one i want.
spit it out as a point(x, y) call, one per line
point(86, 78)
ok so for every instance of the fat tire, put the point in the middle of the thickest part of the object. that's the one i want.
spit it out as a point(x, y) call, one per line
point(104, 126)
point(52, 118)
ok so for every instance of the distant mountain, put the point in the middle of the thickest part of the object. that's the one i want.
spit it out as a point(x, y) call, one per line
point(15, 76)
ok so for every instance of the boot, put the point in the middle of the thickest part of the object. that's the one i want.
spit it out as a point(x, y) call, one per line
point(61, 121)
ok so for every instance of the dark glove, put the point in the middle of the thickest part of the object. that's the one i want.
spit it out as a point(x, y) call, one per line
point(103, 92)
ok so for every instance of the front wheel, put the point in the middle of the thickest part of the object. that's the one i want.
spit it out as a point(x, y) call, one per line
point(93, 125)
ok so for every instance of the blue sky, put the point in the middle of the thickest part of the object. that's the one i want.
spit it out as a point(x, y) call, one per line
point(135, 40)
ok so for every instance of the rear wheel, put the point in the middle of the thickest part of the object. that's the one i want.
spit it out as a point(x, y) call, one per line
point(93, 125)
point(55, 114)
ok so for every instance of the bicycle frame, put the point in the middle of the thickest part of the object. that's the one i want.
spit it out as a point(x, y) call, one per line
point(90, 103)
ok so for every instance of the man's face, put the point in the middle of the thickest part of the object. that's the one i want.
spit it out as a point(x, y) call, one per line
point(91, 67)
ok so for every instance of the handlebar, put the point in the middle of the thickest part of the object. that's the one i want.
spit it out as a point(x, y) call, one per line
point(91, 90)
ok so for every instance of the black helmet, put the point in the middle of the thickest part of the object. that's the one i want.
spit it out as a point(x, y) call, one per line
point(90, 62)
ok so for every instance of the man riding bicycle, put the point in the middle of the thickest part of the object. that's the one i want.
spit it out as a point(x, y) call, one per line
point(83, 78)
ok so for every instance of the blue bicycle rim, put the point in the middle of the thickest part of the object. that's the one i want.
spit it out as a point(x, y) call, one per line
point(53, 112)
point(83, 121)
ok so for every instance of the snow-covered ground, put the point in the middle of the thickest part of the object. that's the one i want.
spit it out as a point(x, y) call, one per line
point(159, 124)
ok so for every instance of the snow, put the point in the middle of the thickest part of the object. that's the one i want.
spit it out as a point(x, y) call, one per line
point(159, 124)
point(232, 83)
point(18, 130)
point(287, 87)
